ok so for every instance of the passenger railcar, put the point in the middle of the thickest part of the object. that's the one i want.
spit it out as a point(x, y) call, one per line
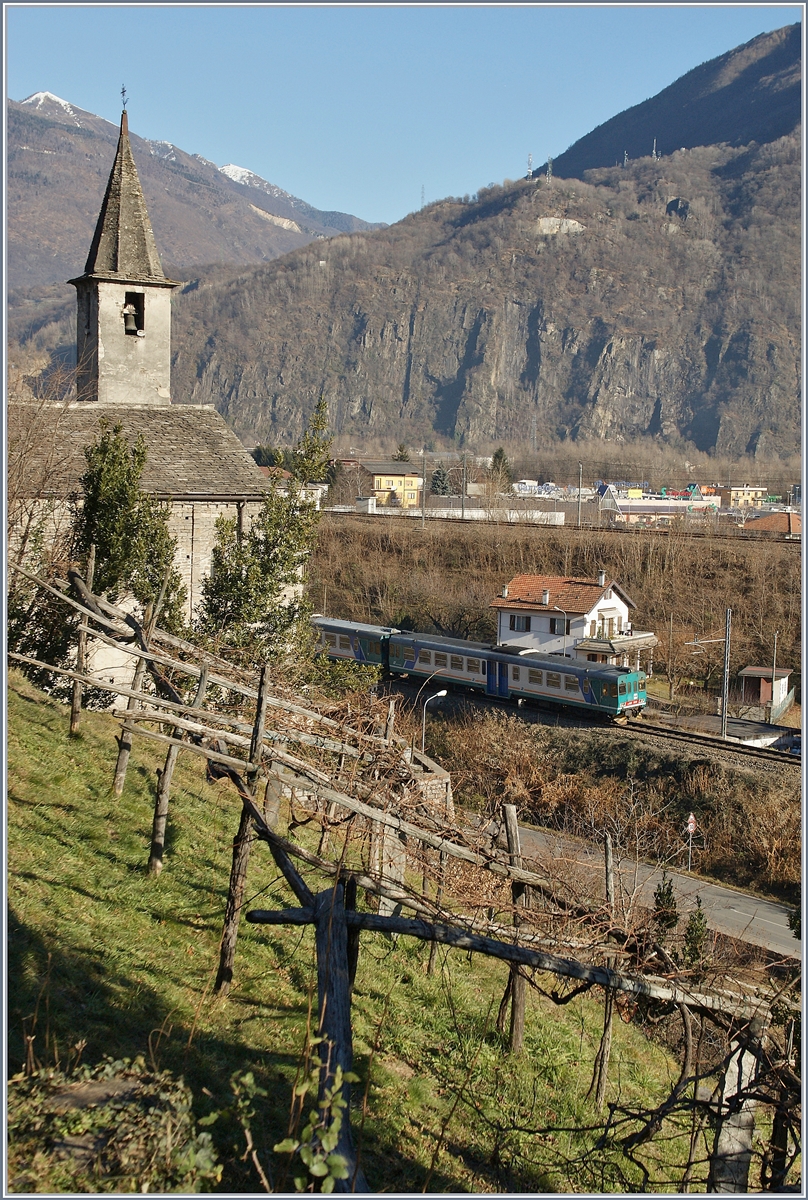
point(490, 670)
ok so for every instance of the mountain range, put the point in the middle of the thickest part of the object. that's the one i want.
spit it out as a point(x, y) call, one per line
point(59, 157)
point(655, 298)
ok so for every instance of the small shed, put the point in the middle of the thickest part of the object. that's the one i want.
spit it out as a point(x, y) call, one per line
point(756, 688)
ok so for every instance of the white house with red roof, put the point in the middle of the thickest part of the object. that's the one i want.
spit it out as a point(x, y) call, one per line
point(576, 618)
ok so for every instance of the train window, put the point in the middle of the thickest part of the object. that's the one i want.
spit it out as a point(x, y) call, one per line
point(457, 662)
point(515, 671)
point(440, 659)
point(612, 689)
point(570, 683)
point(330, 638)
point(344, 642)
point(395, 650)
point(621, 687)
point(534, 677)
point(483, 667)
point(641, 681)
point(553, 679)
point(425, 656)
point(473, 665)
point(376, 648)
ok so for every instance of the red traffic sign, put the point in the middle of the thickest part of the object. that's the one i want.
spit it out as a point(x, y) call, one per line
point(691, 824)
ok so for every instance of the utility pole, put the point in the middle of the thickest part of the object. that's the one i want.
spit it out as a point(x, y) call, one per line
point(423, 487)
point(463, 491)
point(670, 658)
point(774, 676)
point(580, 485)
point(725, 689)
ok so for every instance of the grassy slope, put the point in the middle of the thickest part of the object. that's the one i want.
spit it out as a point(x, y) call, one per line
point(101, 951)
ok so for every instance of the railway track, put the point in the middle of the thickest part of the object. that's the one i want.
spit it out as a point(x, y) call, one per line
point(639, 728)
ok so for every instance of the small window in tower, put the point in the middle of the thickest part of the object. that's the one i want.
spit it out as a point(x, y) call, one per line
point(133, 312)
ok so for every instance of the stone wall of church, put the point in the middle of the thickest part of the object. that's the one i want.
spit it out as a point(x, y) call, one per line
point(193, 524)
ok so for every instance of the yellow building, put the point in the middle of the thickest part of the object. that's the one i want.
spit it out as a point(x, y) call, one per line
point(743, 497)
point(394, 484)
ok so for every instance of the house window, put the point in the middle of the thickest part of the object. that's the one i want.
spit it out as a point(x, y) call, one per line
point(557, 625)
point(519, 624)
point(410, 495)
point(390, 483)
point(593, 628)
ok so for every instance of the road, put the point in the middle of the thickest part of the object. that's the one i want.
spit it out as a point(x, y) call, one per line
point(734, 913)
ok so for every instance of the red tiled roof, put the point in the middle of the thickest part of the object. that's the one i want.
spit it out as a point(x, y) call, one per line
point(777, 522)
point(570, 595)
point(276, 473)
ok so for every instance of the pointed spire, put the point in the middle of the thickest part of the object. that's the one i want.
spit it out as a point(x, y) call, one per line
point(123, 245)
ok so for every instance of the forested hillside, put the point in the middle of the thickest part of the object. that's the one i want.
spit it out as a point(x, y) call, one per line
point(658, 300)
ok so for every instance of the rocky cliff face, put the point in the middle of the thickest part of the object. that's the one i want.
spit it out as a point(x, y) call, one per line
point(658, 300)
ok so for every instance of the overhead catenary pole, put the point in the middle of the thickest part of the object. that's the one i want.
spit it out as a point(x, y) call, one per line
point(580, 485)
point(463, 491)
point(670, 657)
point(774, 677)
point(423, 487)
point(725, 689)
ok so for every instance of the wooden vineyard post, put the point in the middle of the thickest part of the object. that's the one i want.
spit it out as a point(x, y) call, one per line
point(600, 1071)
point(735, 1123)
point(433, 946)
point(81, 656)
point(518, 984)
point(242, 844)
point(334, 1018)
point(125, 740)
point(164, 788)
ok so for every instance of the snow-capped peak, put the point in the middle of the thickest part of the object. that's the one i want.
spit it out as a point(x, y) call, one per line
point(40, 99)
point(250, 179)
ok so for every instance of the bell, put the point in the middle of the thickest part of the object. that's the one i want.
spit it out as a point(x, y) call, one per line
point(129, 322)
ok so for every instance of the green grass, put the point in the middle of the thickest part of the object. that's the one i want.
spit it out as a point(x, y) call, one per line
point(100, 951)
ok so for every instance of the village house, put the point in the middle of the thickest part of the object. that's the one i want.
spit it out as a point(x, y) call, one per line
point(757, 700)
point(576, 618)
point(392, 484)
point(743, 497)
point(195, 464)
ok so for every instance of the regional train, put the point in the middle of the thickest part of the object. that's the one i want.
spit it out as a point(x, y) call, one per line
point(499, 671)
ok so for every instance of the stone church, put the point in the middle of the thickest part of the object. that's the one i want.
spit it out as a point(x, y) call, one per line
point(194, 463)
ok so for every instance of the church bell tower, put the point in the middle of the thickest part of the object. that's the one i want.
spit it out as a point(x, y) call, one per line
point(123, 335)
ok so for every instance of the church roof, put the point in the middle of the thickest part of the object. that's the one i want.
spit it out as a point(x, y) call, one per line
point(190, 451)
point(123, 246)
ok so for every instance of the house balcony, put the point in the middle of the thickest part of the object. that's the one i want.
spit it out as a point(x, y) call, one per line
point(620, 646)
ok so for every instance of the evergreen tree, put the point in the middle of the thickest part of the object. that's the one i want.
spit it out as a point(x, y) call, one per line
point(500, 472)
point(309, 460)
point(267, 456)
point(695, 935)
point(129, 529)
point(666, 913)
point(402, 454)
point(440, 481)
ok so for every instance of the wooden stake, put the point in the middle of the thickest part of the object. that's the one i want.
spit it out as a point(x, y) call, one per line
point(81, 655)
point(164, 788)
point(334, 1012)
point(242, 845)
point(125, 740)
point(517, 981)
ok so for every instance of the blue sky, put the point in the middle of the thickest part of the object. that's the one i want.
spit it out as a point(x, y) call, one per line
point(357, 107)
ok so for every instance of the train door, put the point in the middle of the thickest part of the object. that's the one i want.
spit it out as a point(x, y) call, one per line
point(503, 679)
point(490, 678)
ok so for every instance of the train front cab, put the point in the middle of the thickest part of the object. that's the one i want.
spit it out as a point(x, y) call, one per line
point(361, 643)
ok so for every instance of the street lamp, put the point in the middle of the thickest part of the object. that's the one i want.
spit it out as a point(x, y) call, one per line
point(561, 610)
point(423, 723)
